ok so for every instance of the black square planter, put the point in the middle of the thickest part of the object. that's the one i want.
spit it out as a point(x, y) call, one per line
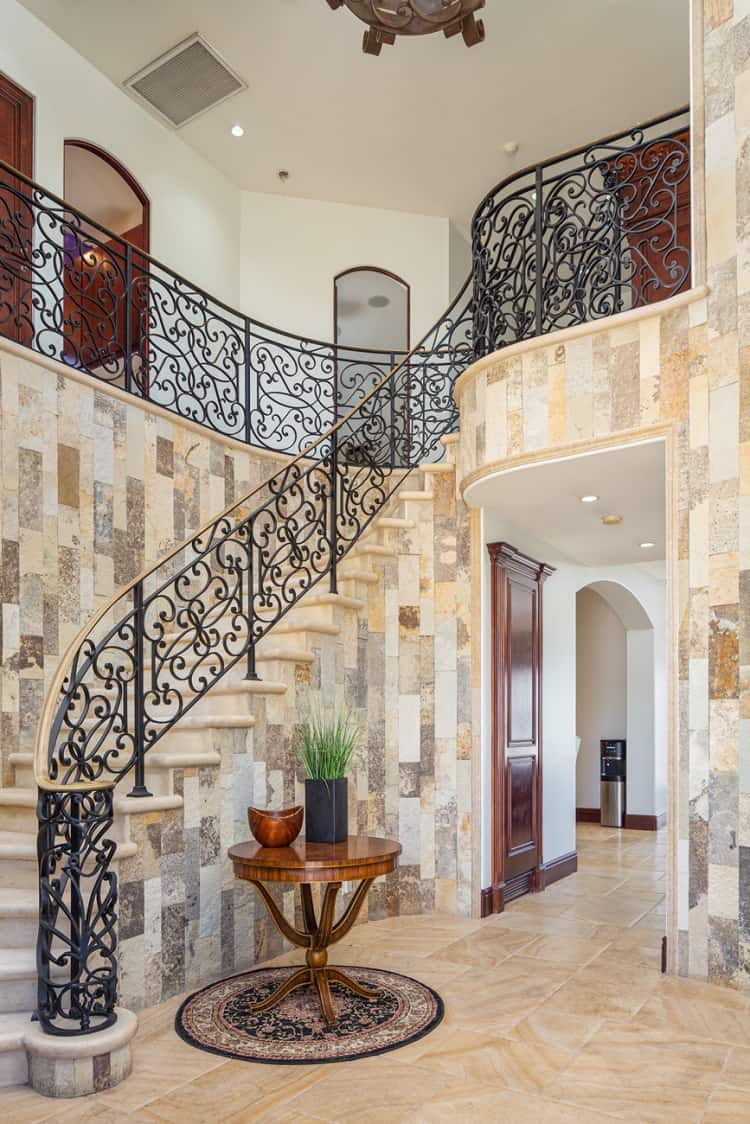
point(326, 811)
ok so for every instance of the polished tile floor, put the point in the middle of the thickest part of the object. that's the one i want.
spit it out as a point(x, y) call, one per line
point(555, 1012)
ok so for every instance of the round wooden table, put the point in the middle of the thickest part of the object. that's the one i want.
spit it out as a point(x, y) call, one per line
point(360, 857)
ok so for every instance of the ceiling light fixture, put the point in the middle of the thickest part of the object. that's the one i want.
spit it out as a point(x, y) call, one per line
point(611, 520)
point(409, 17)
point(647, 545)
point(379, 301)
point(588, 499)
point(238, 131)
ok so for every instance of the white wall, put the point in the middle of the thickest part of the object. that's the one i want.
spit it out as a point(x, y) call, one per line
point(559, 681)
point(459, 266)
point(601, 688)
point(272, 256)
point(195, 211)
point(291, 249)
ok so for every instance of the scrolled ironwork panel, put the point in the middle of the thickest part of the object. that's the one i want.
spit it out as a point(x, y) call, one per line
point(602, 230)
point(76, 962)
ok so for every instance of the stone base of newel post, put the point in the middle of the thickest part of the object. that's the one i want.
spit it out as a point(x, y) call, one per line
point(85, 1063)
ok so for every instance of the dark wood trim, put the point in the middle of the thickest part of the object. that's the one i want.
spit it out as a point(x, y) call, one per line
point(514, 562)
point(485, 902)
point(386, 273)
point(558, 868)
point(23, 102)
point(588, 815)
point(126, 175)
point(634, 822)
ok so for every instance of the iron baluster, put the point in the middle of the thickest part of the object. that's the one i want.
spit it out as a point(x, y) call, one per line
point(252, 671)
point(333, 512)
point(538, 251)
point(128, 356)
point(392, 419)
point(139, 787)
point(248, 386)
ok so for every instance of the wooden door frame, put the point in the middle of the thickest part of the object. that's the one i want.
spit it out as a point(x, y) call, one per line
point(24, 102)
point(19, 295)
point(506, 559)
point(125, 174)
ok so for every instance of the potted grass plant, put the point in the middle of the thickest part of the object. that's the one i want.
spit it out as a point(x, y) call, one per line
point(328, 744)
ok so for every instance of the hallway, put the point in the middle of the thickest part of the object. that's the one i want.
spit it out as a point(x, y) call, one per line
point(555, 1012)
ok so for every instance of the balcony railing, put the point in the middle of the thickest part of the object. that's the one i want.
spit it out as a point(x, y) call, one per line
point(600, 230)
point(74, 291)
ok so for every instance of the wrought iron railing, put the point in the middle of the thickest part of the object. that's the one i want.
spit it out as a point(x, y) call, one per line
point(74, 291)
point(602, 234)
point(158, 646)
point(597, 231)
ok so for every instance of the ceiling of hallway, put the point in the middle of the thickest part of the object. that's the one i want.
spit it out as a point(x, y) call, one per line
point(544, 500)
point(422, 127)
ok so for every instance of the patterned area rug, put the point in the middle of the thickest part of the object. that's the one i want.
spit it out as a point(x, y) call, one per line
point(219, 1018)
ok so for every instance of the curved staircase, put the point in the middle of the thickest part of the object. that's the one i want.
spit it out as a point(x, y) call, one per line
point(212, 636)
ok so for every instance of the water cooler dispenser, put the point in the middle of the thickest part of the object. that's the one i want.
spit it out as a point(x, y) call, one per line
point(612, 774)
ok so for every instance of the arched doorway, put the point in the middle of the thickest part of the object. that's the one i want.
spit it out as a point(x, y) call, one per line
point(620, 686)
point(106, 288)
point(371, 309)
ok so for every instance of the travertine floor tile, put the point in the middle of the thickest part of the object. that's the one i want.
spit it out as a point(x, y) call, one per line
point(556, 1013)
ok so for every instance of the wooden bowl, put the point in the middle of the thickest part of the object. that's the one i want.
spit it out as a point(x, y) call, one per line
point(275, 829)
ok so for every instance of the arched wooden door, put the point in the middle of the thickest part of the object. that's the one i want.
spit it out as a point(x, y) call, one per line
point(106, 269)
point(17, 150)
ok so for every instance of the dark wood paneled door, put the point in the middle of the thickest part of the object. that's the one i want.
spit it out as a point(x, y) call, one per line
point(516, 722)
point(16, 149)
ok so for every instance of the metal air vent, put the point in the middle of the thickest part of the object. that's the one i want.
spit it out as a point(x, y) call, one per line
point(185, 82)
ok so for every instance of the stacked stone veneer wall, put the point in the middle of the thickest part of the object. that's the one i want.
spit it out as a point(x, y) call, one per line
point(93, 488)
point(668, 373)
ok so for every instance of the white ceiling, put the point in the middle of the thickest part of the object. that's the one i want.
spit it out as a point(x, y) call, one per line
point(422, 127)
point(544, 500)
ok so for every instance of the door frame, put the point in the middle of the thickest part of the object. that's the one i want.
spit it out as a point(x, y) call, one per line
point(24, 102)
point(513, 561)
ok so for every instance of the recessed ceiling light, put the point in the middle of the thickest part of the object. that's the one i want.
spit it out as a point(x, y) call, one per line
point(611, 520)
point(238, 131)
point(588, 499)
point(647, 545)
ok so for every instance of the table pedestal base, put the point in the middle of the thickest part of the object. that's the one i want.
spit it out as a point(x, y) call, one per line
point(318, 935)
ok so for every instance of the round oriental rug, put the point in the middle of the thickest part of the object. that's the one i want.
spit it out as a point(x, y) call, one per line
point(219, 1018)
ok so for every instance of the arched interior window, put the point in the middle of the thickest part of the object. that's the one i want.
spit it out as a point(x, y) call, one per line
point(371, 309)
point(106, 274)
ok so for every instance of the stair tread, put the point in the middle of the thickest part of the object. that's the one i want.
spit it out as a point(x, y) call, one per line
point(18, 903)
point(18, 797)
point(17, 963)
point(17, 844)
point(177, 760)
point(13, 1027)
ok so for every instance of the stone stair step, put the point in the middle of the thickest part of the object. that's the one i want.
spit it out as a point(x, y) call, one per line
point(416, 496)
point(19, 913)
point(305, 628)
point(18, 980)
point(13, 1065)
point(18, 861)
point(396, 523)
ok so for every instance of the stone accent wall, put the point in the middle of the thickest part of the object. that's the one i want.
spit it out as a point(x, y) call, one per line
point(673, 369)
point(93, 488)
